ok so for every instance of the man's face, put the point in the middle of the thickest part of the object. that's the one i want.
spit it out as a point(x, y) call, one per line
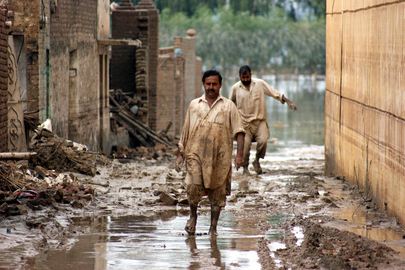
point(246, 78)
point(212, 86)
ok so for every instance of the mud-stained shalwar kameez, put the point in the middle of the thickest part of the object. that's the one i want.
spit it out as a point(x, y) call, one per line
point(251, 105)
point(207, 143)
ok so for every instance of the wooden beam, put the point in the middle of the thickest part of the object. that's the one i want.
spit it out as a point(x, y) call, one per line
point(120, 42)
point(17, 155)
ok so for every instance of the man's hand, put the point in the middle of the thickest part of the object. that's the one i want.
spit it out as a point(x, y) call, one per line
point(238, 161)
point(240, 139)
point(292, 106)
point(179, 162)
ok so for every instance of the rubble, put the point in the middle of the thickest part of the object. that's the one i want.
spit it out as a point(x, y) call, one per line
point(39, 188)
point(159, 152)
point(47, 179)
point(55, 153)
point(124, 111)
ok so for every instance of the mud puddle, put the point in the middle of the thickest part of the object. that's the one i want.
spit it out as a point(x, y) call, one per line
point(139, 242)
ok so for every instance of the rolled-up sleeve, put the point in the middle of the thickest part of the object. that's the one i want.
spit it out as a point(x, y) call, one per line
point(236, 121)
point(185, 133)
point(232, 96)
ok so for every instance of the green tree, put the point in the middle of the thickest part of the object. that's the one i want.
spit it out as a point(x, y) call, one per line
point(227, 39)
point(254, 7)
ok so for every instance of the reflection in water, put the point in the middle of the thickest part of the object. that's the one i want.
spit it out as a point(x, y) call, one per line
point(140, 242)
point(363, 225)
point(197, 260)
point(276, 221)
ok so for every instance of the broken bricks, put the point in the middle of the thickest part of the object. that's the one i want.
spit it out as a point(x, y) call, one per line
point(168, 199)
point(17, 203)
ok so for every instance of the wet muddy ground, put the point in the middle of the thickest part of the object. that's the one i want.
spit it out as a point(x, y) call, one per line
point(290, 217)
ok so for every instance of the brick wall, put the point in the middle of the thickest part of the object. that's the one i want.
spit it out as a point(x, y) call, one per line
point(124, 25)
point(188, 49)
point(74, 68)
point(44, 62)
point(26, 22)
point(153, 49)
point(129, 65)
point(198, 77)
point(135, 70)
point(62, 64)
point(179, 82)
point(170, 91)
point(3, 81)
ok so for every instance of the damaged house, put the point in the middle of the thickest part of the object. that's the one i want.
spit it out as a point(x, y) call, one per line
point(68, 59)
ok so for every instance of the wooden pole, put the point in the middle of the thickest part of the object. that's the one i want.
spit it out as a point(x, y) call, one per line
point(17, 155)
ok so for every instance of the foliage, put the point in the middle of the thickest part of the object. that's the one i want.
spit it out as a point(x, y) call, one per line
point(254, 7)
point(277, 35)
point(225, 40)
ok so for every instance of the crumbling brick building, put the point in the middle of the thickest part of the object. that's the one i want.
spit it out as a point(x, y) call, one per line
point(179, 82)
point(163, 81)
point(65, 66)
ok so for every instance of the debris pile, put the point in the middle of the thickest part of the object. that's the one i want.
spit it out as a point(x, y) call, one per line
point(160, 152)
point(124, 112)
point(55, 153)
point(48, 179)
point(11, 176)
point(173, 192)
point(22, 188)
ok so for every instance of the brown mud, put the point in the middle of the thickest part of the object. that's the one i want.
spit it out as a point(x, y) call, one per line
point(299, 214)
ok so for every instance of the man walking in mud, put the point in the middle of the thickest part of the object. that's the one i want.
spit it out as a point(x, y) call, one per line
point(248, 95)
point(206, 144)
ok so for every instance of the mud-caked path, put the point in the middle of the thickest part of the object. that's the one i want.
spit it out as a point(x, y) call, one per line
point(292, 204)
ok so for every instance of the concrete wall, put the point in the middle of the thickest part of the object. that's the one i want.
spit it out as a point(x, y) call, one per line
point(3, 81)
point(365, 97)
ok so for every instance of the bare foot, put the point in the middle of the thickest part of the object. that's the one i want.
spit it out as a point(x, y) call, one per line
point(257, 167)
point(190, 226)
point(213, 231)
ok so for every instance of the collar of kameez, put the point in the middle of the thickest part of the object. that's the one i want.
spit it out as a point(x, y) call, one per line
point(204, 99)
point(252, 83)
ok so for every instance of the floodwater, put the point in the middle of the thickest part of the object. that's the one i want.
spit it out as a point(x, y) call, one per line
point(136, 242)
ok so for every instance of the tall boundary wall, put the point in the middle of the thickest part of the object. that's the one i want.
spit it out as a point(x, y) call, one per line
point(365, 98)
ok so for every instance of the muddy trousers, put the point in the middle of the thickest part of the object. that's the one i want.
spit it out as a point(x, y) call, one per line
point(257, 131)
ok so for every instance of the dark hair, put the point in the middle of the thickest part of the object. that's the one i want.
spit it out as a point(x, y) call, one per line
point(244, 69)
point(211, 72)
